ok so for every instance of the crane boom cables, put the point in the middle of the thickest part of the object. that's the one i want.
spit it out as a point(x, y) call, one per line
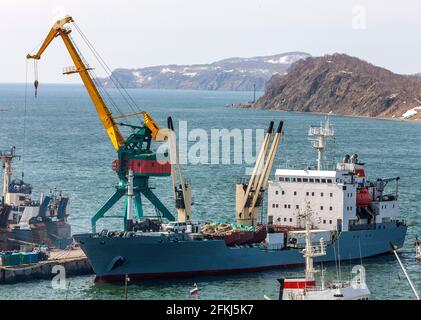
point(123, 92)
point(24, 119)
point(104, 93)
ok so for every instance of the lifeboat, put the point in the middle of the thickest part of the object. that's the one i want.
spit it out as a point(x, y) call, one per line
point(363, 197)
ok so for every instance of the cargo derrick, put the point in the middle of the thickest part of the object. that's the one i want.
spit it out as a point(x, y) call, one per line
point(136, 161)
point(249, 194)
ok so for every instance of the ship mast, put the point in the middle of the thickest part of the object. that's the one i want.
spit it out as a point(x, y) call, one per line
point(311, 251)
point(320, 134)
point(7, 157)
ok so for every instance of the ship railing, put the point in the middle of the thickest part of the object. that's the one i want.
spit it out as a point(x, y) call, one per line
point(321, 131)
point(74, 69)
point(336, 284)
point(400, 222)
point(319, 249)
point(316, 144)
point(273, 247)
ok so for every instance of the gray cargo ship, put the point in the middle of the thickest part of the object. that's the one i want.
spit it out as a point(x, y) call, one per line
point(355, 217)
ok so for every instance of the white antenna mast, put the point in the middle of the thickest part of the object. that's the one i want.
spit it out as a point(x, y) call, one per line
point(320, 134)
point(310, 251)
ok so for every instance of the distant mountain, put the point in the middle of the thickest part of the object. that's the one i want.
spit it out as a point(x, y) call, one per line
point(341, 84)
point(227, 74)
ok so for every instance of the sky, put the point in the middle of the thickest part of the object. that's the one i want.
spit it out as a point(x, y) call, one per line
point(139, 33)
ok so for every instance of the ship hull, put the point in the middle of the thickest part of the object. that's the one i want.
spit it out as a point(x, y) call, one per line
point(152, 256)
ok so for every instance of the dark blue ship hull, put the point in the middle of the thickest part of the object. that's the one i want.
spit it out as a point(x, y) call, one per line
point(158, 255)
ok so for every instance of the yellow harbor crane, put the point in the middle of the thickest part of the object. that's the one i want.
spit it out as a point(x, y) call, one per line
point(60, 30)
point(136, 161)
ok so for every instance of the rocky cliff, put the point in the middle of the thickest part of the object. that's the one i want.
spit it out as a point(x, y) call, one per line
point(345, 85)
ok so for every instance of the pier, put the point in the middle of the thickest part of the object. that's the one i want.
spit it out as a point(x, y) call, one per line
point(74, 262)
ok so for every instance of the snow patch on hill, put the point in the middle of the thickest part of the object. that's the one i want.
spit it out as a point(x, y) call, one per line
point(412, 112)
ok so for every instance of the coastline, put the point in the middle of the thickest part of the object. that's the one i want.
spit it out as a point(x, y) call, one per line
point(245, 106)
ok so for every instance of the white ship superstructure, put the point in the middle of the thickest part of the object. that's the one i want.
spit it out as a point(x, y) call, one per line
point(342, 198)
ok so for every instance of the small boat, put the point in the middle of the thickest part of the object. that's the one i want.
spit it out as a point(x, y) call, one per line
point(307, 289)
point(25, 221)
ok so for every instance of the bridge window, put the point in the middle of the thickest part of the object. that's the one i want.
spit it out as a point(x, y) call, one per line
point(305, 180)
point(295, 193)
point(322, 194)
point(323, 180)
point(311, 180)
point(317, 180)
point(321, 207)
point(299, 179)
point(329, 180)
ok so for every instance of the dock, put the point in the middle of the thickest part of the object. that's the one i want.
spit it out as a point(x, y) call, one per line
point(74, 261)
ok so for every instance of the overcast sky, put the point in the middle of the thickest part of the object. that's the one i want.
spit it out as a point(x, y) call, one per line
point(131, 33)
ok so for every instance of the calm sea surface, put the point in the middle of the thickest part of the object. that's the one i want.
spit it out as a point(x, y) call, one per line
point(64, 145)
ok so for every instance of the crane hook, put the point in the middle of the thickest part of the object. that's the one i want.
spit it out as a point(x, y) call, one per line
point(36, 83)
point(36, 88)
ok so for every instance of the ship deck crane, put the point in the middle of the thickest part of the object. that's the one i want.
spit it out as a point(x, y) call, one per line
point(181, 187)
point(249, 195)
point(135, 157)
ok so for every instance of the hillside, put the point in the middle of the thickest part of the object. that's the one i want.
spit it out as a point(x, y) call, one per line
point(227, 74)
point(345, 85)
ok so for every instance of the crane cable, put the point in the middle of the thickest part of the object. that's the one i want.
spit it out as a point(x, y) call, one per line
point(103, 92)
point(24, 119)
point(123, 92)
point(106, 68)
point(36, 83)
